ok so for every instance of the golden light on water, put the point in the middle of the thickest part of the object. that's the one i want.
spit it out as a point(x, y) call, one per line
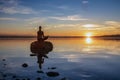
point(88, 40)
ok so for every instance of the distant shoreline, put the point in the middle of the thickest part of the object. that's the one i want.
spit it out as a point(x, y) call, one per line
point(107, 37)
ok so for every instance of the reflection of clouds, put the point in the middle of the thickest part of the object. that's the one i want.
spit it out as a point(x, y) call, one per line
point(63, 49)
point(97, 47)
point(101, 50)
point(93, 49)
point(86, 50)
point(73, 50)
point(89, 48)
point(72, 57)
point(80, 56)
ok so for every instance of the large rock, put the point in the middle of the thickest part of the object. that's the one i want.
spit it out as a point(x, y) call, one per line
point(41, 47)
point(52, 74)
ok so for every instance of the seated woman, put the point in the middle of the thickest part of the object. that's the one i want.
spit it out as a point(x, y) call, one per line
point(40, 34)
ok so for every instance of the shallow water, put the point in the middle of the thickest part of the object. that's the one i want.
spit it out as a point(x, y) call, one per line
point(73, 59)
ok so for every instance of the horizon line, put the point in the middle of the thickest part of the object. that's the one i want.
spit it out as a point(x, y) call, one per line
point(28, 36)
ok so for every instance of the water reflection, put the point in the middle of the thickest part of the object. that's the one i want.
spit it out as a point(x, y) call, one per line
point(40, 49)
point(73, 58)
point(88, 40)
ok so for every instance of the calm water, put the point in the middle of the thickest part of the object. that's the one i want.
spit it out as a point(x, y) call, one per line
point(73, 59)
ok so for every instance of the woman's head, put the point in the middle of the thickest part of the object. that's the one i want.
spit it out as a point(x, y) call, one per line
point(40, 27)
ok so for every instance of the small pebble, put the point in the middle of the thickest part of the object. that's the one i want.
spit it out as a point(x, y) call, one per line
point(25, 65)
point(3, 60)
point(28, 79)
point(48, 68)
point(4, 75)
point(40, 72)
point(14, 76)
point(5, 64)
point(53, 68)
point(38, 78)
point(64, 78)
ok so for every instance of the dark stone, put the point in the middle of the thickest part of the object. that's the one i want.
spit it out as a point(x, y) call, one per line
point(48, 68)
point(52, 74)
point(5, 64)
point(53, 67)
point(4, 75)
point(28, 79)
point(38, 78)
point(3, 60)
point(40, 72)
point(14, 76)
point(25, 65)
point(64, 78)
point(32, 54)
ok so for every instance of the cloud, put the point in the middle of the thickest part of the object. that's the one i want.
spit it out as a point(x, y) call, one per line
point(8, 19)
point(13, 7)
point(84, 1)
point(35, 20)
point(64, 7)
point(113, 24)
point(90, 25)
point(107, 25)
point(17, 10)
point(69, 18)
point(65, 25)
point(45, 11)
point(74, 26)
point(77, 26)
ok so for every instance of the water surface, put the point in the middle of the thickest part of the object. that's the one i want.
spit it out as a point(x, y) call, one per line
point(73, 59)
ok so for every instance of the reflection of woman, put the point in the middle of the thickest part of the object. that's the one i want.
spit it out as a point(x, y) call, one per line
point(40, 60)
point(40, 34)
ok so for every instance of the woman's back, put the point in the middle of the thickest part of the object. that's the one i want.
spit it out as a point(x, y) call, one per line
point(40, 35)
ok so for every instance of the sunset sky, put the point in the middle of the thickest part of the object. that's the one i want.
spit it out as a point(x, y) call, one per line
point(60, 17)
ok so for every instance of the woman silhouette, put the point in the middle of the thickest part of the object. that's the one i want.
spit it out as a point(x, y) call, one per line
point(40, 34)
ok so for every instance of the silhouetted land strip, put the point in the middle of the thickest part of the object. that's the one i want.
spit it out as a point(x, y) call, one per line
point(106, 37)
point(1, 36)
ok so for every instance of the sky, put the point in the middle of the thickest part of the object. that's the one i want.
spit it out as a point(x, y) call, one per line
point(60, 17)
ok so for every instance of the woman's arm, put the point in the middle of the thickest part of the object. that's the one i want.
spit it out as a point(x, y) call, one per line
point(43, 34)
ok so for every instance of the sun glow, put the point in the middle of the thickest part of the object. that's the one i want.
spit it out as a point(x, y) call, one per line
point(89, 34)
